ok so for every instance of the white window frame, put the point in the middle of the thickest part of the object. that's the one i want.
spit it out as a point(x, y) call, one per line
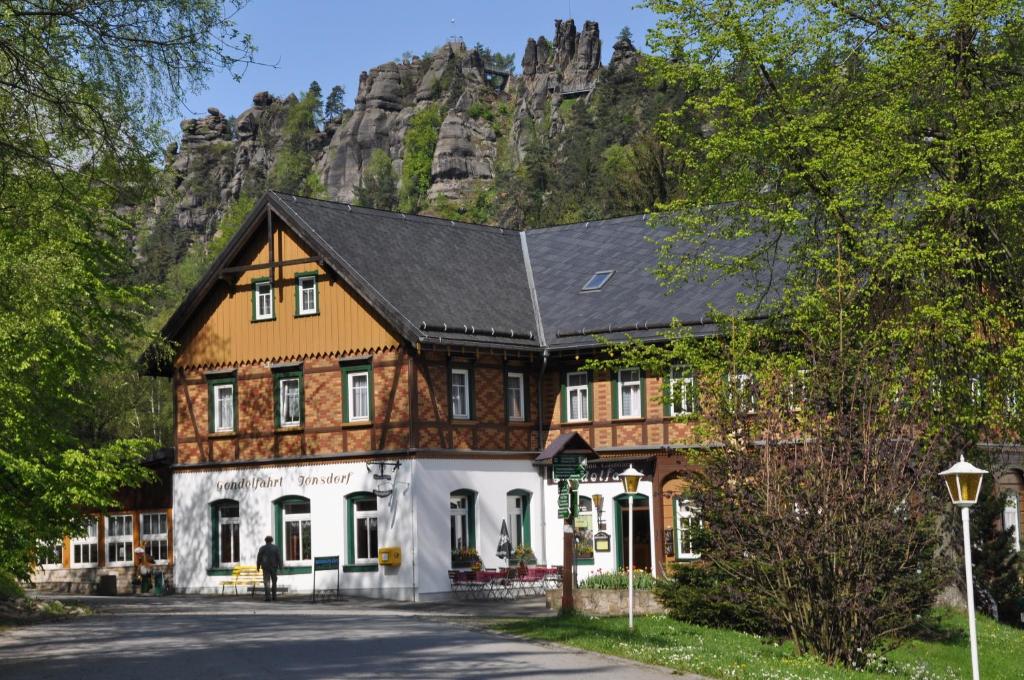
point(743, 383)
point(798, 390)
point(283, 401)
point(582, 393)
point(515, 396)
point(307, 283)
point(460, 407)
point(516, 507)
point(48, 550)
point(633, 384)
point(149, 538)
point(299, 519)
point(685, 513)
point(218, 421)
point(368, 517)
point(235, 529)
point(1011, 518)
point(112, 540)
point(91, 538)
point(352, 402)
point(458, 513)
point(681, 392)
point(263, 290)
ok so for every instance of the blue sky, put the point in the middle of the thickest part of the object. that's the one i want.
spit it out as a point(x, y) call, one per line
point(331, 42)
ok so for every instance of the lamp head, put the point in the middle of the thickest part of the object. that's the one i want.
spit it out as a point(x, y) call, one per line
point(630, 479)
point(963, 482)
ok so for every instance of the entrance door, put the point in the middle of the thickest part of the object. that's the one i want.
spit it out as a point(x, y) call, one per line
point(641, 531)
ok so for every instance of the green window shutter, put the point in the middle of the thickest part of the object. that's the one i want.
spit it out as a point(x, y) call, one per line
point(279, 524)
point(504, 394)
point(471, 392)
point(643, 394)
point(526, 519)
point(590, 395)
point(302, 399)
point(276, 386)
point(615, 394)
point(526, 396)
point(565, 396)
point(666, 395)
point(471, 517)
point(215, 534)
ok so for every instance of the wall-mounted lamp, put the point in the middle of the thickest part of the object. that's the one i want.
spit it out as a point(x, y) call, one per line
point(599, 506)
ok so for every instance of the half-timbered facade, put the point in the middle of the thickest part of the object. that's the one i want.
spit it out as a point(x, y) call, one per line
point(353, 381)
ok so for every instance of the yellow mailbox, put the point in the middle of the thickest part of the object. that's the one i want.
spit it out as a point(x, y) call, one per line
point(389, 557)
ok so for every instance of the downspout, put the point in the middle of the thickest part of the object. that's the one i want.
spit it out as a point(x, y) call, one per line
point(540, 447)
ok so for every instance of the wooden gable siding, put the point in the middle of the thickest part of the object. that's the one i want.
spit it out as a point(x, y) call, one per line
point(223, 333)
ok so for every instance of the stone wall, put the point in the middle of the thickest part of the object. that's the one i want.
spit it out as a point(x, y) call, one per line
point(609, 602)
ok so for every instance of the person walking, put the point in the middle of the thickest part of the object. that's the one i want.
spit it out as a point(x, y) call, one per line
point(269, 560)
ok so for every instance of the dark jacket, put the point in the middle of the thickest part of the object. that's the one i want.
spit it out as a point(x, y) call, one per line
point(269, 558)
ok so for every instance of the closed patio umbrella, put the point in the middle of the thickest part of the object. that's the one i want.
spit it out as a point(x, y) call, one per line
point(505, 548)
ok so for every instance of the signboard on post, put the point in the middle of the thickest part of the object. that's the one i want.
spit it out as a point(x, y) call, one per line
point(568, 466)
point(327, 563)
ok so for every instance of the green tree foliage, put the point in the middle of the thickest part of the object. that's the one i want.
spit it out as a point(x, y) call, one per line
point(875, 152)
point(496, 60)
point(420, 140)
point(293, 167)
point(316, 93)
point(998, 568)
point(378, 186)
point(335, 104)
point(83, 91)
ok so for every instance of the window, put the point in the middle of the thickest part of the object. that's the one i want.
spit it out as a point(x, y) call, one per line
point(297, 530)
point(154, 535)
point(288, 406)
point(1011, 518)
point(741, 392)
point(119, 540)
point(518, 505)
point(798, 390)
point(462, 520)
point(358, 406)
point(363, 529)
point(306, 299)
point(597, 281)
point(628, 393)
point(262, 300)
point(51, 554)
point(461, 394)
point(226, 528)
point(515, 396)
point(223, 405)
point(686, 521)
point(584, 530)
point(682, 393)
point(577, 396)
point(85, 549)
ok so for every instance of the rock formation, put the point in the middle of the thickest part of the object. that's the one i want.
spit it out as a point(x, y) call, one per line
point(217, 159)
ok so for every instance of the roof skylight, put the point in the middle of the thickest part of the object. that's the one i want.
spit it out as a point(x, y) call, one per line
point(598, 280)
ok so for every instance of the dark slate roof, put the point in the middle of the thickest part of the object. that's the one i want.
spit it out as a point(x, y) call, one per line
point(434, 273)
point(438, 281)
point(564, 258)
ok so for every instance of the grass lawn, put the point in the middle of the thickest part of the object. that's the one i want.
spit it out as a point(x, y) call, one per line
point(722, 653)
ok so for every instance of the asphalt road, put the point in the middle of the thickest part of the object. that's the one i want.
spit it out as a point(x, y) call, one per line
point(235, 638)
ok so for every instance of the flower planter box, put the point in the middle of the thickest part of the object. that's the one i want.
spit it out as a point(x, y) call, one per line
point(608, 602)
point(467, 563)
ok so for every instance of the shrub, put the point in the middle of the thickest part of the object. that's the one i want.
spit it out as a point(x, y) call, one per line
point(703, 594)
point(619, 580)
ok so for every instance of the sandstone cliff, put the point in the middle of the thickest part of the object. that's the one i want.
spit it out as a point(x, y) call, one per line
point(486, 115)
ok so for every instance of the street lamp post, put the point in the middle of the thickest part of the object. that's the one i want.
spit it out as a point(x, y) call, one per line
point(963, 481)
point(630, 481)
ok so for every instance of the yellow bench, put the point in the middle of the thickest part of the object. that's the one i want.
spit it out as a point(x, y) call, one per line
point(243, 575)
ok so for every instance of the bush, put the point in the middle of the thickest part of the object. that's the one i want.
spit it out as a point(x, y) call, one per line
point(9, 588)
point(619, 580)
point(702, 594)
